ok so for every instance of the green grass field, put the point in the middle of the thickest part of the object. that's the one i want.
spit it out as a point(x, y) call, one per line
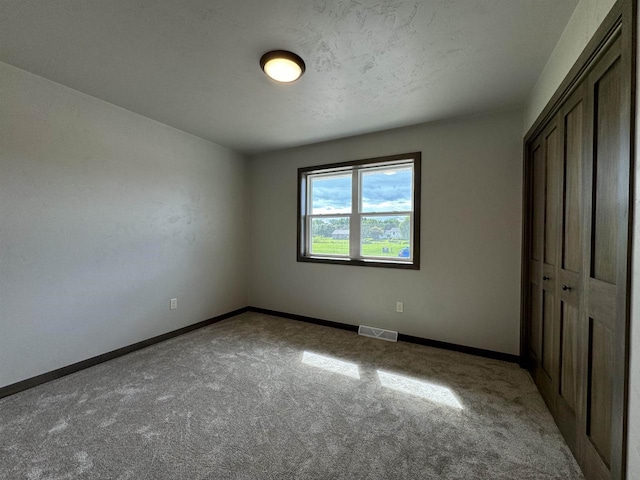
point(375, 248)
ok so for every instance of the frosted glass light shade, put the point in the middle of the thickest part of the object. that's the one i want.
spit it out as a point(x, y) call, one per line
point(282, 66)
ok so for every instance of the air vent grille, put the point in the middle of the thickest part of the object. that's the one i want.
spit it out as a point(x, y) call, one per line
point(380, 333)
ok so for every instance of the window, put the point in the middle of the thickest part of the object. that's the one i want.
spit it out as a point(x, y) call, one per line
point(365, 212)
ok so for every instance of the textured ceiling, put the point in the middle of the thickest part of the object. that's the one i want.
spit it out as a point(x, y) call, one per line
point(371, 65)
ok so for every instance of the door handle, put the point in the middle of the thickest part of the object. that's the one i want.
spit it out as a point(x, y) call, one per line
point(546, 278)
point(566, 288)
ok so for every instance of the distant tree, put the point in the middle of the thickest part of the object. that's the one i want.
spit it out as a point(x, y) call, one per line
point(366, 230)
point(322, 229)
point(376, 232)
point(391, 223)
point(404, 229)
point(340, 223)
point(368, 223)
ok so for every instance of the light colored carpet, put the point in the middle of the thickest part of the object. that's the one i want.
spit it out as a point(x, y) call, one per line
point(260, 397)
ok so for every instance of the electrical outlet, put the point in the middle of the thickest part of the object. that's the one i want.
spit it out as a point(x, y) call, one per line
point(174, 303)
point(399, 307)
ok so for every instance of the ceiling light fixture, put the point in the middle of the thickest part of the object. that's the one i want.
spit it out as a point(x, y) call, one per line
point(282, 66)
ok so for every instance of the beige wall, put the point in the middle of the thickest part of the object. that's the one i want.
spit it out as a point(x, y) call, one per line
point(106, 215)
point(584, 22)
point(467, 290)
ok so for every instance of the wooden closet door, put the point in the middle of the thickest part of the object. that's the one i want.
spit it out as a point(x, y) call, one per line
point(570, 267)
point(546, 167)
point(606, 198)
point(576, 299)
point(536, 216)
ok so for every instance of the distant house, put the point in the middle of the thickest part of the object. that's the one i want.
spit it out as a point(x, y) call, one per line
point(340, 235)
point(392, 233)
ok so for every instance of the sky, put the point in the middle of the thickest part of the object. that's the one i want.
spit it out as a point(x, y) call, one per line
point(382, 191)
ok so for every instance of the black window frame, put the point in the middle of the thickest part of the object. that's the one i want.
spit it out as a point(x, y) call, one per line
point(413, 158)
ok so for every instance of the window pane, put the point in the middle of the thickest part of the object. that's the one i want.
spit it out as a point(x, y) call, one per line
point(387, 189)
point(331, 194)
point(330, 236)
point(386, 236)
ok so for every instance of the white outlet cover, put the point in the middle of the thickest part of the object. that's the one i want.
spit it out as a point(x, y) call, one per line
point(399, 307)
point(174, 303)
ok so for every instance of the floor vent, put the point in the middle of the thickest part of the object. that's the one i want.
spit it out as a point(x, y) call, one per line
point(380, 333)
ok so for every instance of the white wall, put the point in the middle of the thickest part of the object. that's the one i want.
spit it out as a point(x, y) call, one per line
point(104, 216)
point(467, 290)
point(582, 25)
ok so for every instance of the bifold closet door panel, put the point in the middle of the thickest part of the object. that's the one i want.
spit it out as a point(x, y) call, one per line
point(536, 216)
point(569, 386)
point(552, 142)
point(546, 166)
point(606, 213)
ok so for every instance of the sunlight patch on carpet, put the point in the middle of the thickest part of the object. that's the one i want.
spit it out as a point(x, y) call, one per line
point(331, 364)
point(430, 391)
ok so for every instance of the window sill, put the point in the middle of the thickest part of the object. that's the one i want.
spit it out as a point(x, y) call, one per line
point(361, 263)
